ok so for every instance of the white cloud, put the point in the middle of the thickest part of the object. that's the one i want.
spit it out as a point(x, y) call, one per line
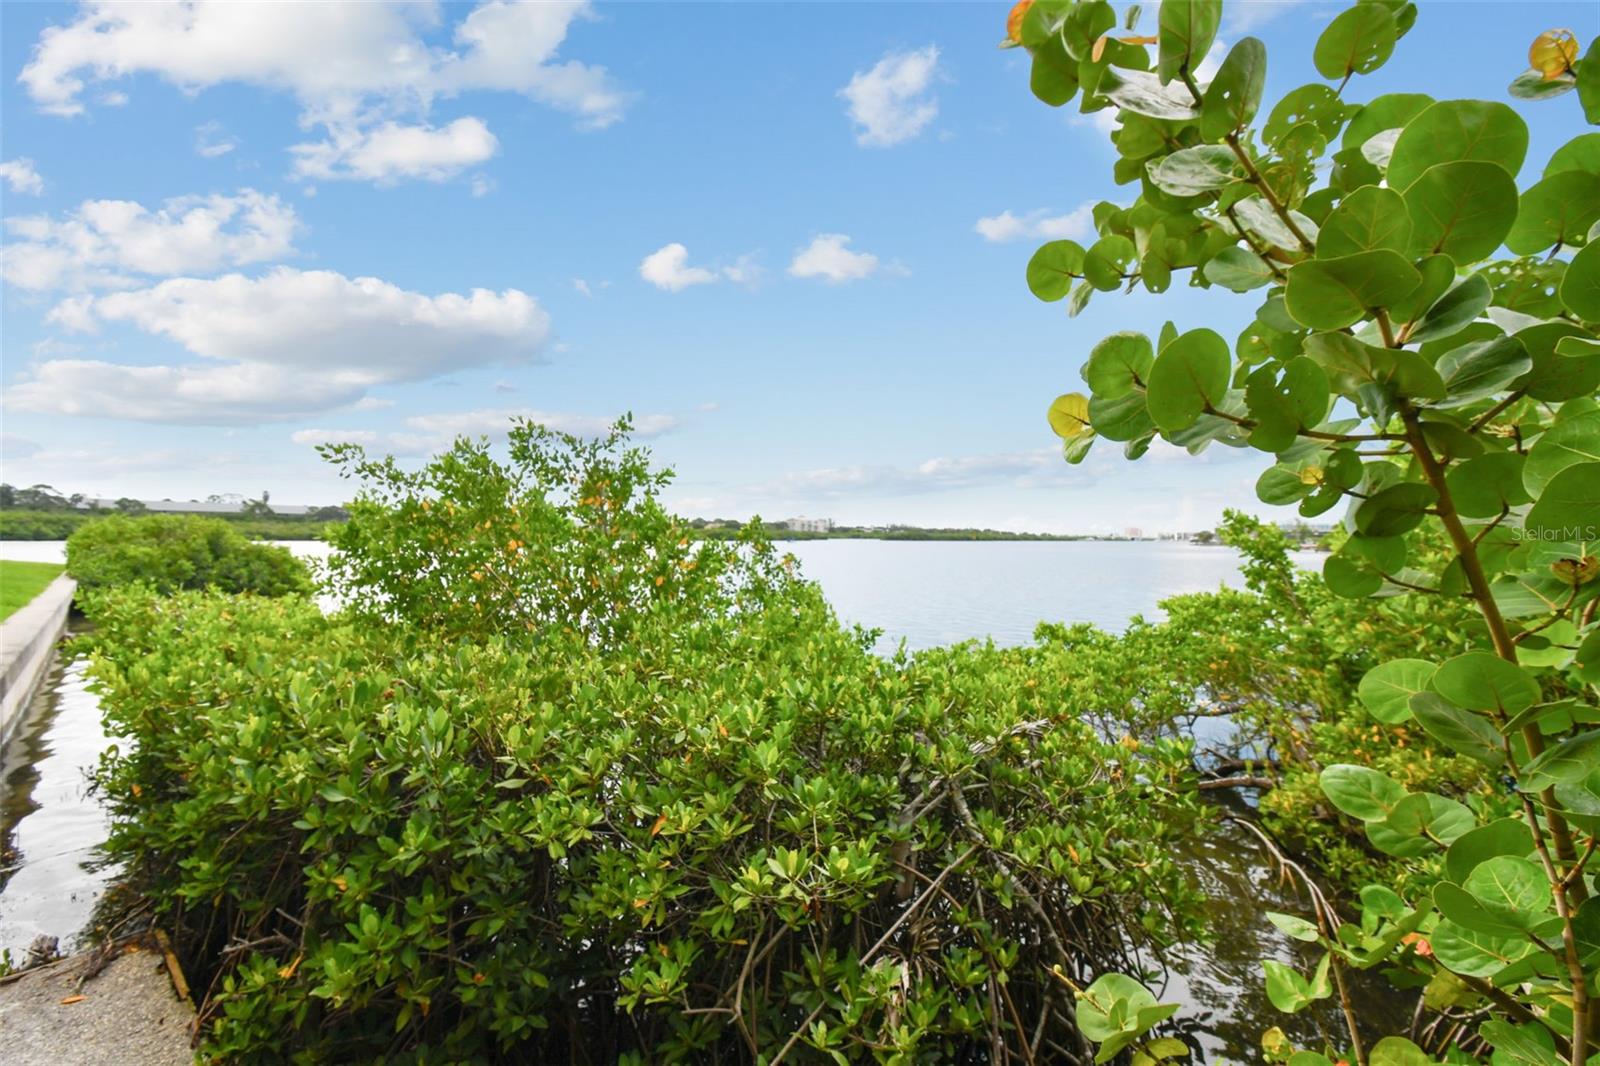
point(194, 395)
point(111, 242)
point(890, 103)
point(285, 344)
point(744, 271)
point(482, 185)
point(1207, 68)
point(935, 475)
point(355, 68)
point(1247, 15)
point(212, 141)
point(390, 152)
point(512, 47)
point(495, 420)
point(20, 176)
point(827, 257)
point(427, 434)
point(583, 287)
point(668, 268)
point(1076, 224)
point(1106, 121)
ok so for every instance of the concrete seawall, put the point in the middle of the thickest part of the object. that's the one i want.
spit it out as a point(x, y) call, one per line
point(27, 644)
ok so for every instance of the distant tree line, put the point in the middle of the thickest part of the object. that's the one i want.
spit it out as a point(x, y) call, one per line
point(41, 512)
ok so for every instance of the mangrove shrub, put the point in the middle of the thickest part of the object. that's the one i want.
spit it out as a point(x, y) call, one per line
point(561, 784)
point(174, 552)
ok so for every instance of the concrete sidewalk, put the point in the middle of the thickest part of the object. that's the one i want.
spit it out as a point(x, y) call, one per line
point(128, 1013)
point(27, 643)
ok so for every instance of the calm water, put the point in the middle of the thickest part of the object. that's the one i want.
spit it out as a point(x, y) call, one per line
point(939, 592)
point(925, 593)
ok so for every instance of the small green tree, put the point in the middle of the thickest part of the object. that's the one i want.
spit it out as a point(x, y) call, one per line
point(1402, 365)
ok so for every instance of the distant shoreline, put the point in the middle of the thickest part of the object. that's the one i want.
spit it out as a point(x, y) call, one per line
point(28, 525)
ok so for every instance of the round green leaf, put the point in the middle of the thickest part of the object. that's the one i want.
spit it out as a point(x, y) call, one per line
point(1189, 375)
point(1481, 369)
point(1053, 77)
point(1580, 286)
point(1395, 510)
point(1390, 111)
point(1144, 94)
point(1083, 25)
point(1489, 485)
point(1195, 171)
point(1387, 689)
point(1452, 130)
point(1360, 791)
point(1568, 508)
point(1331, 294)
point(1567, 443)
point(1482, 681)
point(1184, 34)
point(1574, 759)
point(1107, 260)
point(1368, 219)
point(1580, 153)
point(1557, 376)
point(1463, 209)
point(1559, 209)
point(1398, 1051)
point(1258, 218)
point(1069, 416)
point(1474, 954)
point(1314, 103)
point(1053, 269)
point(1455, 310)
point(1234, 94)
point(1463, 732)
point(1124, 418)
point(1419, 823)
point(1119, 364)
point(1512, 889)
point(1352, 579)
point(1280, 485)
point(1508, 836)
point(1358, 41)
point(1238, 269)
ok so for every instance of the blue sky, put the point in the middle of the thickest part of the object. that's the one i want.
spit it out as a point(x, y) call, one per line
point(233, 231)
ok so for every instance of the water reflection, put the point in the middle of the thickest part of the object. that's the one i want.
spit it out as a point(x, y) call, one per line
point(1220, 982)
point(50, 826)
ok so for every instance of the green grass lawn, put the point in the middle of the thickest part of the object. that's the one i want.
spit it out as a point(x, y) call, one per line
point(21, 582)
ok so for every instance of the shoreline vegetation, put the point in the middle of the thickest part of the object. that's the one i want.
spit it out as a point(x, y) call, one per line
point(36, 525)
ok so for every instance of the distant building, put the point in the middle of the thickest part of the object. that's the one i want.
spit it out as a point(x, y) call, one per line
point(1133, 533)
point(803, 524)
point(205, 507)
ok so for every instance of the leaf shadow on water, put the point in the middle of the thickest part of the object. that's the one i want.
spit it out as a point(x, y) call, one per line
point(1220, 982)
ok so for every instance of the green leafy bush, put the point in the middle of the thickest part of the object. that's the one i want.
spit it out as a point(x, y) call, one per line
point(562, 785)
point(1401, 365)
point(40, 525)
point(173, 552)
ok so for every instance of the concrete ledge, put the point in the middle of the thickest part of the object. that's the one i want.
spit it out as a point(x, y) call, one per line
point(27, 644)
